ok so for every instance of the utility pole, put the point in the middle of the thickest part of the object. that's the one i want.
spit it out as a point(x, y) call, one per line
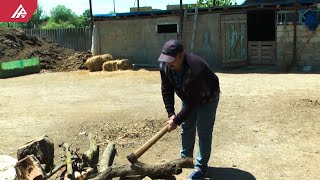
point(91, 16)
point(114, 6)
point(294, 47)
point(181, 21)
point(138, 5)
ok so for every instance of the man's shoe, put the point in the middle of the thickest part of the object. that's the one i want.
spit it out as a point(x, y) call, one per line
point(196, 175)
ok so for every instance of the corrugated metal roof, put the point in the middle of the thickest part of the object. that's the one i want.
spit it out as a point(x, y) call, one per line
point(253, 2)
point(132, 14)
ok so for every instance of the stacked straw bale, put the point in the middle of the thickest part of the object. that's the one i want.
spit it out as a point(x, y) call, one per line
point(95, 63)
point(114, 65)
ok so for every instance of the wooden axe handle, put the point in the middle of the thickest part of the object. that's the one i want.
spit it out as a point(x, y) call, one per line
point(151, 142)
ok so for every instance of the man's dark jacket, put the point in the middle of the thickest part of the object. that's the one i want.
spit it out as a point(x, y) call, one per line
point(200, 85)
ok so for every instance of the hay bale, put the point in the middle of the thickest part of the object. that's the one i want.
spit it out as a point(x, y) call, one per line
point(107, 66)
point(94, 63)
point(124, 64)
point(121, 65)
point(106, 57)
point(114, 65)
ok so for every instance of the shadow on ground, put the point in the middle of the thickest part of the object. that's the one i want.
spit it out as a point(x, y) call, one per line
point(228, 174)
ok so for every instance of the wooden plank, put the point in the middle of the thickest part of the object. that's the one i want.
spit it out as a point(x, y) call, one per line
point(223, 41)
point(76, 33)
point(265, 52)
point(69, 42)
point(84, 43)
point(236, 42)
point(80, 33)
point(266, 43)
point(84, 48)
point(232, 17)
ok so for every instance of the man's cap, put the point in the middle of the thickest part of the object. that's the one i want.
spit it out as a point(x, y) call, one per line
point(170, 50)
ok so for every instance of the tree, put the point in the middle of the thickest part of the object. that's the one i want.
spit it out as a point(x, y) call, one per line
point(36, 19)
point(85, 18)
point(210, 3)
point(62, 17)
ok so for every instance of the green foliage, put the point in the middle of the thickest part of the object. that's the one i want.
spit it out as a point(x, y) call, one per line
point(62, 14)
point(58, 25)
point(85, 18)
point(36, 19)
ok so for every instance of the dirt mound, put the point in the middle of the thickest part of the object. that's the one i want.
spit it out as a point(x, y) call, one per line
point(16, 44)
point(123, 135)
point(75, 61)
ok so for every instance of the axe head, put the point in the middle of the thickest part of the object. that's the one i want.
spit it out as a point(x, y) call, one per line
point(132, 158)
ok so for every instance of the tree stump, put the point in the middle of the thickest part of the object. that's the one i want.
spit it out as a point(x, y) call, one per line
point(29, 168)
point(91, 156)
point(42, 148)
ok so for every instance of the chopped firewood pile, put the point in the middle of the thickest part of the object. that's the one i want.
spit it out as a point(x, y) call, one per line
point(36, 162)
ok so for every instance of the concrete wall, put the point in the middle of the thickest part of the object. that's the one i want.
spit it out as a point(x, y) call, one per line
point(141, 9)
point(177, 6)
point(208, 38)
point(308, 44)
point(138, 40)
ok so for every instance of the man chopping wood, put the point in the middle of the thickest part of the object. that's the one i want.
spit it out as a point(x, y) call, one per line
point(195, 83)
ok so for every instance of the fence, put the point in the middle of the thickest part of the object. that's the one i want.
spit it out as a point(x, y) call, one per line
point(78, 39)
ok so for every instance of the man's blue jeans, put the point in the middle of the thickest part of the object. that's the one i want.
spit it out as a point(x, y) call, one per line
point(201, 120)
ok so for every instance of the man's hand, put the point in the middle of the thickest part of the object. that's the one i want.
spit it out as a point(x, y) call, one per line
point(171, 124)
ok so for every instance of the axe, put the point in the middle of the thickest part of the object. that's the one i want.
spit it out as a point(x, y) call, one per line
point(133, 157)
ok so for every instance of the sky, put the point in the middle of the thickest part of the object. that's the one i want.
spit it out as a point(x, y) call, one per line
point(107, 6)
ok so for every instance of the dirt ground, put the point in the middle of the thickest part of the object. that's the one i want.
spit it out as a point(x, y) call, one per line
point(267, 125)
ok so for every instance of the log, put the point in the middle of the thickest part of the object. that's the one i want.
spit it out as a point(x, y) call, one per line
point(42, 148)
point(107, 157)
point(56, 169)
point(29, 168)
point(66, 148)
point(164, 170)
point(91, 156)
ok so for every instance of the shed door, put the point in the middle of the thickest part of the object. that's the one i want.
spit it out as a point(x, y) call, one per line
point(234, 39)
